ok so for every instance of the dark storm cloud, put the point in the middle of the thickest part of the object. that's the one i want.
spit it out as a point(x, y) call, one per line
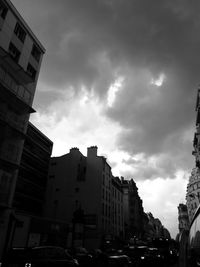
point(91, 42)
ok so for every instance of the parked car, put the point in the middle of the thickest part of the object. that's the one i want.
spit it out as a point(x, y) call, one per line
point(44, 256)
point(83, 256)
point(137, 254)
point(119, 261)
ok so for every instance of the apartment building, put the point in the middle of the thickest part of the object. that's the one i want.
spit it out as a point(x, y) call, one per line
point(193, 187)
point(20, 60)
point(85, 185)
point(30, 189)
point(32, 178)
point(133, 209)
point(117, 208)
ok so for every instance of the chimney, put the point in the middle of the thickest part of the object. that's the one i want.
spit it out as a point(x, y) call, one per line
point(92, 151)
point(74, 150)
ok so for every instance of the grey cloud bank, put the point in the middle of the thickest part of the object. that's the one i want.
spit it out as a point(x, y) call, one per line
point(90, 43)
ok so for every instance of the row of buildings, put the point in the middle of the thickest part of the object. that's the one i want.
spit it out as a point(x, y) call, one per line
point(68, 200)
point(76, 201)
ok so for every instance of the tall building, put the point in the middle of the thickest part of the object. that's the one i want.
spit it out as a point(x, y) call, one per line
point(193, 187)
point(32, 178)
point(29, 196)
point(20, 59)
point(79, 183)
point(133, 209)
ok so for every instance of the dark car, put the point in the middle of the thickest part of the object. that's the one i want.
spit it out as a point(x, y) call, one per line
point(119, 261)
point(39, 257)
point(83, 256)
point(137, 254)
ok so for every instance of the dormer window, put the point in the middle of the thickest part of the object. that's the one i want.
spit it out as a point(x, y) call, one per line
point(20, 32)
point(36, 53)
point(3, 10)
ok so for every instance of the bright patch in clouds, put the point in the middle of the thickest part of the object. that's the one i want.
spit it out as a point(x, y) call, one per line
point(78, 122)
point(114, 88)
point(158, 81)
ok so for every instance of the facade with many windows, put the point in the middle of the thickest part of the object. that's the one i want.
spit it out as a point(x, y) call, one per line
point(19, 70)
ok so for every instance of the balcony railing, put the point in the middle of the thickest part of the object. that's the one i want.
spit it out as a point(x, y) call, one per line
point(19, 90)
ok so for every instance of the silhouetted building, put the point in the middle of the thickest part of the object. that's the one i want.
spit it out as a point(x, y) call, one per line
point(32, 178)
point(133, 209)
point(85, 186)
point(154, 229)
point(30, 189)
point(20, 59)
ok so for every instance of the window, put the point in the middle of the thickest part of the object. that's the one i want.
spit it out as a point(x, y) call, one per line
point(3, 10)
point(20, 32)
point(14, 52)
point(35, 53)
point(31, 71)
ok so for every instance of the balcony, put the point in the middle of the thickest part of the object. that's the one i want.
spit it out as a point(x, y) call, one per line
point(19, 74)
point(18, 90)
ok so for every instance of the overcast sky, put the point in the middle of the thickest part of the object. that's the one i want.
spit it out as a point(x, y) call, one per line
point(122, 75)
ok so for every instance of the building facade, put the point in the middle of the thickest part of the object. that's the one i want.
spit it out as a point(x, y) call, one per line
point(30, 188)
point(20, 59)
point(193, 192)
point(154, 229)
point(32, 178)
point(85, 185)
point(193, 187)
point(133, 210)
